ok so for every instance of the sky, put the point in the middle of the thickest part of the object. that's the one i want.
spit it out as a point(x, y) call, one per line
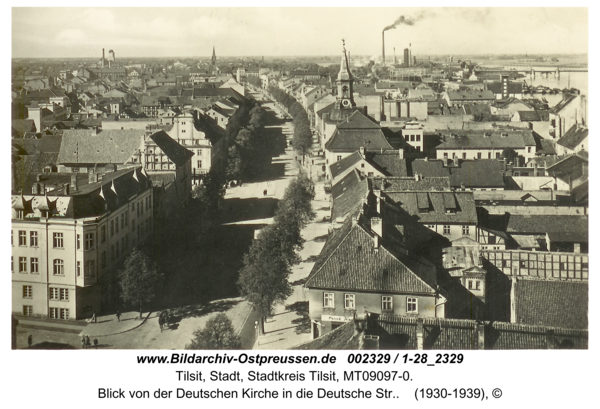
point(192, 32)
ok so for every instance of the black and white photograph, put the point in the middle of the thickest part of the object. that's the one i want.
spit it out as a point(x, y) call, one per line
point(410, 183)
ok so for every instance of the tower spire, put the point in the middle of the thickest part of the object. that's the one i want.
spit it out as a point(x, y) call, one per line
point(345, 97)
point(214, 57)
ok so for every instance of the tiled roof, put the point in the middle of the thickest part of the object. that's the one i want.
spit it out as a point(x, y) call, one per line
point(429, 168)
point(388, 162)
point(174, 151)
point(348, 194)
point(354, 139)
point(45, 144)
point(21, 126)
point(108, 146)
point(406, 184)
point(470, 95)
point(358, 120)
point(350, 262)
point(562, 304)
point(326, 109)
point(341, 166)
point(484, 173)
point(514, 138)
point(542, 224)
point(507, 102)
point(573, 137)
point(530, 116)
point(570, 166)
point(442, 207)
point(396, 332)
point(477, 109)
point(548, 147)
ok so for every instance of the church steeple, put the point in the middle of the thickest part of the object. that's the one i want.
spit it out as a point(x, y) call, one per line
point(345, 98)
point(213, 60)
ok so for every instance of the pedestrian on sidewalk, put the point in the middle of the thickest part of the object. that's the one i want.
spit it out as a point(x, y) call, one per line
point(96, 343)
point(83, 341)
point(118, 316)
point(265, 192)
point(30, 340)
point(87, 341)
point(94, 317)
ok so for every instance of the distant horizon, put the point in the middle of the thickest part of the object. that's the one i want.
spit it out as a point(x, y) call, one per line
point(287, 32)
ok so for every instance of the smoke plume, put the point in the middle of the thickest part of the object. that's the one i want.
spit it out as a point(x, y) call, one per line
point(408, 21)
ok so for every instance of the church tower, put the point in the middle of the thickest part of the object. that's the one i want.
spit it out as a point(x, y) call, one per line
point(345, 98)
point(213, 60)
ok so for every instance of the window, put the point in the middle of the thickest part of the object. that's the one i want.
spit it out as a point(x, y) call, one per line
point(89, 241)
point(12, 264)
point(464, 155)
point(328, 300)
point(22, 264)
point(117, 224)
point(446, 229)
point(411, 305)
point(478, 155)
point(477, 285)
point(90, 268)
point(199, 164)
point(418, 138)
point(386, 303)
point(54, 293)
point(22, 238)
point(34, 265)
point(126, 218)
point(103, 259)
point(122, 220)
point(64, 313)
point(529, 149)
point(138, 208)
point(33, 238)
point(28, 310)
point(199, 153)
point(489, 155)
point(112, 227)
point(465, 230)
point(522, 264)
point(412, 138)
point(78, 242)
point(497, 155)
point(27, 291)
point(64, 294)
point(445, 154)
point(12, 235)
point(339, 158)
point(79, 269)
point(54, 313)
point(349, 301)
point(102, 234)
point(470, 284)
point(505, 263)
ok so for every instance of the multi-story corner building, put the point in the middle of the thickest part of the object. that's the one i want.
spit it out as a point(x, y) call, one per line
point(68, 243)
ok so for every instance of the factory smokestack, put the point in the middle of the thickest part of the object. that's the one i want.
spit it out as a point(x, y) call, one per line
point(394, 55)
point(383, 46)
point(103, 58)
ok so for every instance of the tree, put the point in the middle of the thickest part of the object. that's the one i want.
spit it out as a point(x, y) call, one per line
point(509, 154)
point(139, 280)
point(218, 333)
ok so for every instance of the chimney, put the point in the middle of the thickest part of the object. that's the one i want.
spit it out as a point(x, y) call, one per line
point(377, 194)
point(35, 189)
point(480, 335)
point(362, 151)
point(74, 182)
point(394, 55)
point(92, 176)
point(401, 153)
point(66, 189)
point(377, 228)
point(420, 334)
point(383, 46)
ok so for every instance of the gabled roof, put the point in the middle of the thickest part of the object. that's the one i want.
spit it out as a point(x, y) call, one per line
point(407, 184)
point(358, 120)
point(348, 194)
point(388, 162)
point(542, 224)
point(532, 116)
point(562, 104)
point(570, 166)
point(481, 173)
point(174, 151)
point(490, 139)
point(429, 168)
point(442, 207)
point(355, 132)
point(108, 146)
point(326, 109)
point(341, 166)
point(350, 262)
point(573, 137)
point(562, 304)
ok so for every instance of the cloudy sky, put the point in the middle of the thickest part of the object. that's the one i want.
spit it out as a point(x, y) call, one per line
point(192, 32)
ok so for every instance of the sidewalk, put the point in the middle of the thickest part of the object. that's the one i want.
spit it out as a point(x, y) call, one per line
point(109, 325)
